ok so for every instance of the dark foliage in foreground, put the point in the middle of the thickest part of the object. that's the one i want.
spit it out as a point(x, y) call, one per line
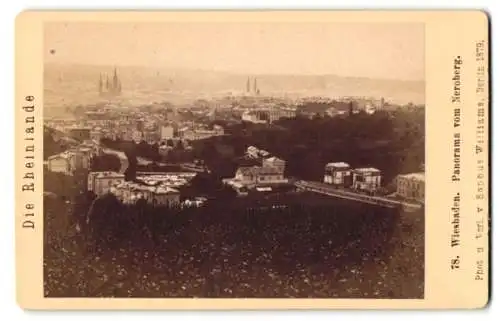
point(114, 224)
point(311, 247)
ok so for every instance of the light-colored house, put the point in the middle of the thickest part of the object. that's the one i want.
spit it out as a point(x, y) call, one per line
point(411, 186)
point(275, 162)
point(101, 182)
point(166, 196)
point(338, 174)
point(250, 177)
point(270, 175)
point(252, 117)
point(131, 193)
point(159, 189)
point(81, 157)
point(366, 179)
point(247, 175)
point(61, 163)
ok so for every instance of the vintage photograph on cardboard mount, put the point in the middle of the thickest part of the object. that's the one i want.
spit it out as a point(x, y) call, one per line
point(253, 158)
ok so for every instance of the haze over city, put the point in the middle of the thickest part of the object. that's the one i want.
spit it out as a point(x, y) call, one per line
point(354, 50)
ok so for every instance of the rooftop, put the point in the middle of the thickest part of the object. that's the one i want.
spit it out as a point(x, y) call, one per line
point(417, 176)
point(166, 190)
point(367, 170)
point(165, 175)
point(136, 187)
point(234, 182)
point(108, 174)
point(65, 155)
point(274, 159)
point(264, 152)
point(338, 165)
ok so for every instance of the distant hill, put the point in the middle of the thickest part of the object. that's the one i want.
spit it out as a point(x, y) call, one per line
point(78, 84)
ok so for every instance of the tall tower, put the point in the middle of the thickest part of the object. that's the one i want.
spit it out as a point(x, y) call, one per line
point(115, 81)
point(100, 83)
point(255, 86)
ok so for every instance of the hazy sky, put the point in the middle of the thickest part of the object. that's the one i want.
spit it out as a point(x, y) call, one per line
point(366, 50)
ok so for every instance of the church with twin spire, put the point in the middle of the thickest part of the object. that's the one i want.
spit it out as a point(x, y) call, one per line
point(252, 90)
point(110, 88)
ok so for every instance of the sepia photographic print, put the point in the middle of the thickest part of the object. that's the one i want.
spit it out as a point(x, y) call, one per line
point(243, 158)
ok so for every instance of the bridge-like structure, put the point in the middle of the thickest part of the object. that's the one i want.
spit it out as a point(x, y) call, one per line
point(121, 155)
point(332, 191)
point(144, 161)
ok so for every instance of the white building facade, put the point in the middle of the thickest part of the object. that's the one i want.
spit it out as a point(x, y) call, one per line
point(338, 174)
point(366, 179)
point(101, 183)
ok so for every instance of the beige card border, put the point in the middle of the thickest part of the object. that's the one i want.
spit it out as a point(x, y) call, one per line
point(448, 34)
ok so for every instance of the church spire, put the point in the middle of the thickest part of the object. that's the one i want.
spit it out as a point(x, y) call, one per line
point(109, 85)
point(115, 81)
point(100, 83)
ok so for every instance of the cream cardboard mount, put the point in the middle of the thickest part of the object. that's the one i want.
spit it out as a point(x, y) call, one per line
point(252, 160)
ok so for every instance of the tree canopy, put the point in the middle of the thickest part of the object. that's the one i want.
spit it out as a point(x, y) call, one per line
point(392, 141)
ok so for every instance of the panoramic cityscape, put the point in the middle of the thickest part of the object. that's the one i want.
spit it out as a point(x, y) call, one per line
point(230, 172)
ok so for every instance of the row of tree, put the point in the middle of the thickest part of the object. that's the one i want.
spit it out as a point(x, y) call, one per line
point(392, 141)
